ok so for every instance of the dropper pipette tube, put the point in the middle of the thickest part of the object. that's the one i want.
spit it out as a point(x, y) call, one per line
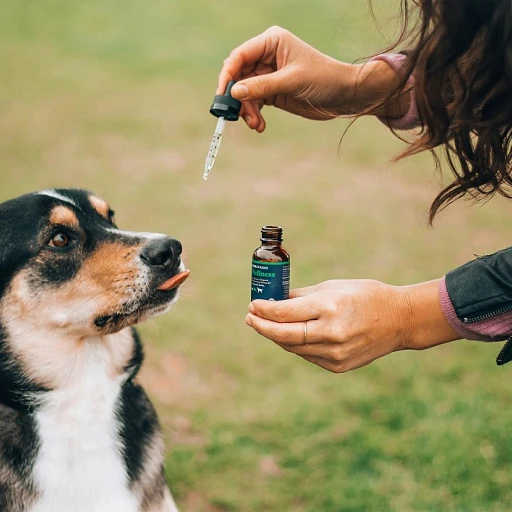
point(214, 147)
point(225, 108)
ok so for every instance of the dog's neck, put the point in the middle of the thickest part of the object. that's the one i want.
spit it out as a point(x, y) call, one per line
point(35, 364)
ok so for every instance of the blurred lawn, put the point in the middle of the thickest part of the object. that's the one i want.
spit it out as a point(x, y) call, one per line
point(114, 97)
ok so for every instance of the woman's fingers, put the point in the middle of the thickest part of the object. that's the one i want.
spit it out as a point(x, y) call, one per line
point(251, 114)
point(281, 333)
point(246, 55)
point(251, 110)
point(255, 67)
point(284, 321)
point(289, 334)
point(287, 311)
point(261, 87)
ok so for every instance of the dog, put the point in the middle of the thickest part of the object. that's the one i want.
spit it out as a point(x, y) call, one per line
point(77, 433)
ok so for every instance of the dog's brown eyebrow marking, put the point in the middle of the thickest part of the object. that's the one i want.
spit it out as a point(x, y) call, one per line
point(100, 206)
point(65, 216)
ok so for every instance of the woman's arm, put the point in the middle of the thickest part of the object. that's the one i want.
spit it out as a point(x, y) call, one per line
point(277, 68)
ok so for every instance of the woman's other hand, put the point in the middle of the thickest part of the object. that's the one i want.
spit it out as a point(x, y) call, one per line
point(350, 323)
point(277, 68)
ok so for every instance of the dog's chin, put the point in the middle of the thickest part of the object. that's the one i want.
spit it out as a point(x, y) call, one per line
point(135, 314)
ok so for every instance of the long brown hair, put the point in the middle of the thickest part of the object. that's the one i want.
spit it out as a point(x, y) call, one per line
point(460, 53)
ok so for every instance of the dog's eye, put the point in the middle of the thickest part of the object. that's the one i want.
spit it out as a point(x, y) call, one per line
point(111, 216)
point(59, 240)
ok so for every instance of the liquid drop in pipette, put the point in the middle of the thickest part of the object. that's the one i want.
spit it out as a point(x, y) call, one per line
point(225, 108)
point(214, 147)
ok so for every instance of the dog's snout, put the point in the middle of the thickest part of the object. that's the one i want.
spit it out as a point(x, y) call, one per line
point(162, 252)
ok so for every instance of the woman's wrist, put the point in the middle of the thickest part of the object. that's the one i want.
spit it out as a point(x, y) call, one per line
point(424, 324)
point(372, 82)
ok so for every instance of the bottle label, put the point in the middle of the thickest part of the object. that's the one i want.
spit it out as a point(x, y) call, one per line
point(270, 280)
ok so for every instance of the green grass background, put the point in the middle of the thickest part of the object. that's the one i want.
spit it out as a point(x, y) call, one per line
point(114, 96)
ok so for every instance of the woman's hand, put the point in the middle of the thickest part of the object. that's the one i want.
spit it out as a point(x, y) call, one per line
point(351, 323)
point(277, 68)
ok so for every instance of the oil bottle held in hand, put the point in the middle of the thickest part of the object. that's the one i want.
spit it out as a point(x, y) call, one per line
point(270, 266)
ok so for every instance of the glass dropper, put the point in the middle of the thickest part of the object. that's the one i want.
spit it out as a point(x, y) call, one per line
point(214, 147)
point(225, 108)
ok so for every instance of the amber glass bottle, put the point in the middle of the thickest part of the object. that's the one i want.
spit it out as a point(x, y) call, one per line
point(270, 266)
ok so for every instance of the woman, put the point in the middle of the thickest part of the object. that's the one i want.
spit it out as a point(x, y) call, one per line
point(455, 84)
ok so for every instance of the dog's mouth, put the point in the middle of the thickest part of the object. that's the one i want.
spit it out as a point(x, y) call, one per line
point(157, 302)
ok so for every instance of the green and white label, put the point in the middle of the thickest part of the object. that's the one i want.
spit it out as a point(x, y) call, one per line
point(270, 280)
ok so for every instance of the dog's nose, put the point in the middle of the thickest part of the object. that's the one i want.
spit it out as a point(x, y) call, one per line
point(161, 252)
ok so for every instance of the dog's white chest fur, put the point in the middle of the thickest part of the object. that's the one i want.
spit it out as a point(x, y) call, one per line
point(80, 466)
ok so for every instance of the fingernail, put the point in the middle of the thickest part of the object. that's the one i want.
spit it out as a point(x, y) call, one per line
point(248, 119)
point(248, 320)
point(251, 307)
point(240, 92)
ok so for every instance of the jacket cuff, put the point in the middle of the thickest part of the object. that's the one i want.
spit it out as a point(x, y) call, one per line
point(411, 118)
point(494, 329)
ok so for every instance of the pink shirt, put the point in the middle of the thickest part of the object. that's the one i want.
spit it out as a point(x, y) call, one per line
point(410, 119)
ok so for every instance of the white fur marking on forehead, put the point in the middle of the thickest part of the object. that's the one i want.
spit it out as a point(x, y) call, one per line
point(135, 234)
point(56, 195)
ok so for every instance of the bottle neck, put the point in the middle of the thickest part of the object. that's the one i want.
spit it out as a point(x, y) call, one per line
point(265, 242)
point(271, 236)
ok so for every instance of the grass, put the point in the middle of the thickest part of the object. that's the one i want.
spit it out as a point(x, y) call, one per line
point(114, 97)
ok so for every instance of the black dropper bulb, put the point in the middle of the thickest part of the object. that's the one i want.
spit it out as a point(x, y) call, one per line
point(224, 105)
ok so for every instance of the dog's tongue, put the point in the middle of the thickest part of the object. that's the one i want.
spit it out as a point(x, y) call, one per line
point(175, 281)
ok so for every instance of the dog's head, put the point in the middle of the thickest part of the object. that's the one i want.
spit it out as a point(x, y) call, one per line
point(64, 265)
point(70, 283)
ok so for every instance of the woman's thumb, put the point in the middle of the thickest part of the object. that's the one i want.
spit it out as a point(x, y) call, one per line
point(261, 87)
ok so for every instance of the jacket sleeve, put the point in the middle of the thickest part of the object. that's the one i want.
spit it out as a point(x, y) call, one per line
point(476, 299)
point(411, 119)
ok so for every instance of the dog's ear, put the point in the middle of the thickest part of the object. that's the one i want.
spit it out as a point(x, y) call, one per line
point(20, 221)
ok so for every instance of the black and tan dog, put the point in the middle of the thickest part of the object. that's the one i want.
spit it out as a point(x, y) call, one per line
point(77, 434)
